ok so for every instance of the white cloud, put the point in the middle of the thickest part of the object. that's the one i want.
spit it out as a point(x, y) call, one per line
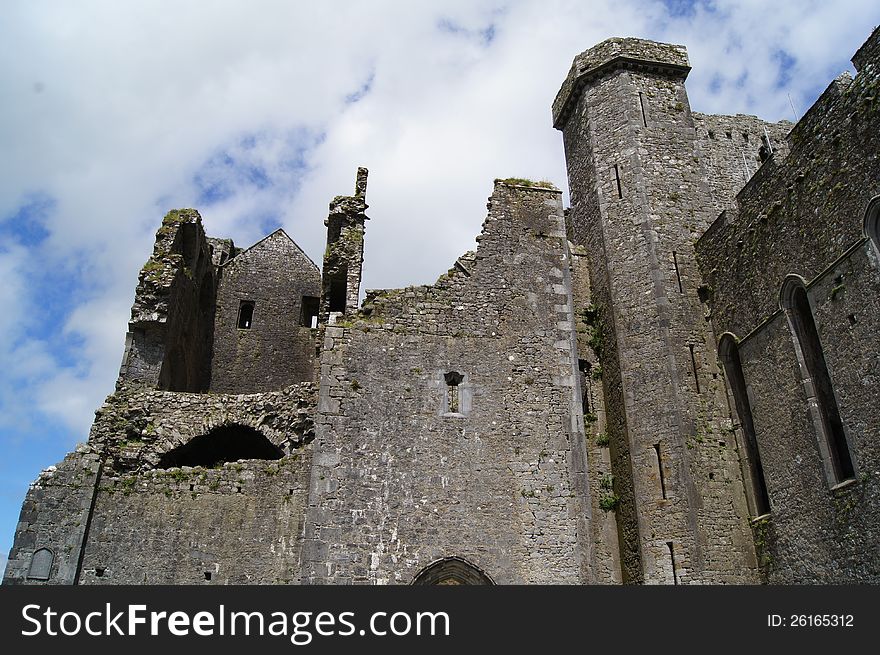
point(119, 106)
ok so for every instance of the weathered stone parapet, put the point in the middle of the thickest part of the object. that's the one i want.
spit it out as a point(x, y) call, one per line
point(616, 54)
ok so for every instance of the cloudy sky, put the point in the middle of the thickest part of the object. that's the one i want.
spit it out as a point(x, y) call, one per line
point(257, 113)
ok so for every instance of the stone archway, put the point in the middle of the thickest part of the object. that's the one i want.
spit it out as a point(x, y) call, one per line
point(452, 571)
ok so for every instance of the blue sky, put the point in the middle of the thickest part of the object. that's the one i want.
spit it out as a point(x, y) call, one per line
point(259, 113)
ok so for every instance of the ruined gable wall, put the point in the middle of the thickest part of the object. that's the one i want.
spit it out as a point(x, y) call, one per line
point(168, 345)
point(398, 481)
point(276, 350)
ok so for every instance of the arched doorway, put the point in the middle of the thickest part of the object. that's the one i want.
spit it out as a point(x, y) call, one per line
point(452, 571)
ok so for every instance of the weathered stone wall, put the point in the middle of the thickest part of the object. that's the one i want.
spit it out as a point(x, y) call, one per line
point(802, 214)
point(276, 349)
point(603, 498)
point(55, 516)
point(344, 255)
point(639, 199)
point(729, 149)
point(240, 522)
point(400, 479)
point(168, 345)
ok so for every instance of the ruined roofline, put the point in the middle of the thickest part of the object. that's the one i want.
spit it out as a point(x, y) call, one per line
point(271, 234)
point(458, 267)
point(529, 185)
point(611, 55)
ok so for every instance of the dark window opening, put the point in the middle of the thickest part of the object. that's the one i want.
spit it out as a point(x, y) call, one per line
point(245, 314)
point(617, 180)
point(189, 245)
point(334, 230)
point(804, 327)
point(228, 443)
point(672, 559)
point(208, 575)
point(453, 379)
point(99, 571)
point(585, 369)
point(451, 571)
point(694, 366)
point(660, 469)
point(41, 564)
point(338, 290)
point(642, 106)
point(677, 272)
point(309, 315)
point(730, 358)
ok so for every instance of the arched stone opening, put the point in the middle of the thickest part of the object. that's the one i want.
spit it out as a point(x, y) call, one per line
point(227, 443)
point(452, 571)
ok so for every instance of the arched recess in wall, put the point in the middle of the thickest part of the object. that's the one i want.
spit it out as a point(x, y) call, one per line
point(227, 443)
point(872, 222)
point(41, 564)
point(728, 351)
point(833, 444)
point(452, 571)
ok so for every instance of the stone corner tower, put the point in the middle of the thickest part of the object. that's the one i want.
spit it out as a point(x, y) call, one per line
point(639, 199)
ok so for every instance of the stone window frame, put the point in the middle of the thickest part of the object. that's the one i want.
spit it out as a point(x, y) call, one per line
point(757, 493)
point(242, 305)
point(831, 446)
point(871, 224)
point(463, 392)
point(30, 573)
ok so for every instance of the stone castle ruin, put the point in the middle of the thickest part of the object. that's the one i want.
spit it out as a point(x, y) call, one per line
point(672, 382)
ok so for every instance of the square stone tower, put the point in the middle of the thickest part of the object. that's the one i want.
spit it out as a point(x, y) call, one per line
point(640, 197)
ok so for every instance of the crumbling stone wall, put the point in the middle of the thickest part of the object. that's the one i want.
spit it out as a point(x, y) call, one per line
point(639, 199)
point(803, 214)
point(238, 522)
point(344, 256)
point(170, 336)
point(276, 348)
point(401, 478)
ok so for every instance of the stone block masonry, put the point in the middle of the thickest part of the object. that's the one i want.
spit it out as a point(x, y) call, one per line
point(672, 382)
point(413, 465)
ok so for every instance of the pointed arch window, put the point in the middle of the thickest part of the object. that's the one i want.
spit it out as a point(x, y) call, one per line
point(872, 222)
point(833, 444)
point(728, 350)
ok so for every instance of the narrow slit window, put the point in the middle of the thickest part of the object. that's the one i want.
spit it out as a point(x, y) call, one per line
point(694, 366)
point(453, 396)
point(672, 560)
point(245, 314)
point(677, 271)
point(660, 469)
point(617, 181)
point(815, 369)
point(642, 107)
